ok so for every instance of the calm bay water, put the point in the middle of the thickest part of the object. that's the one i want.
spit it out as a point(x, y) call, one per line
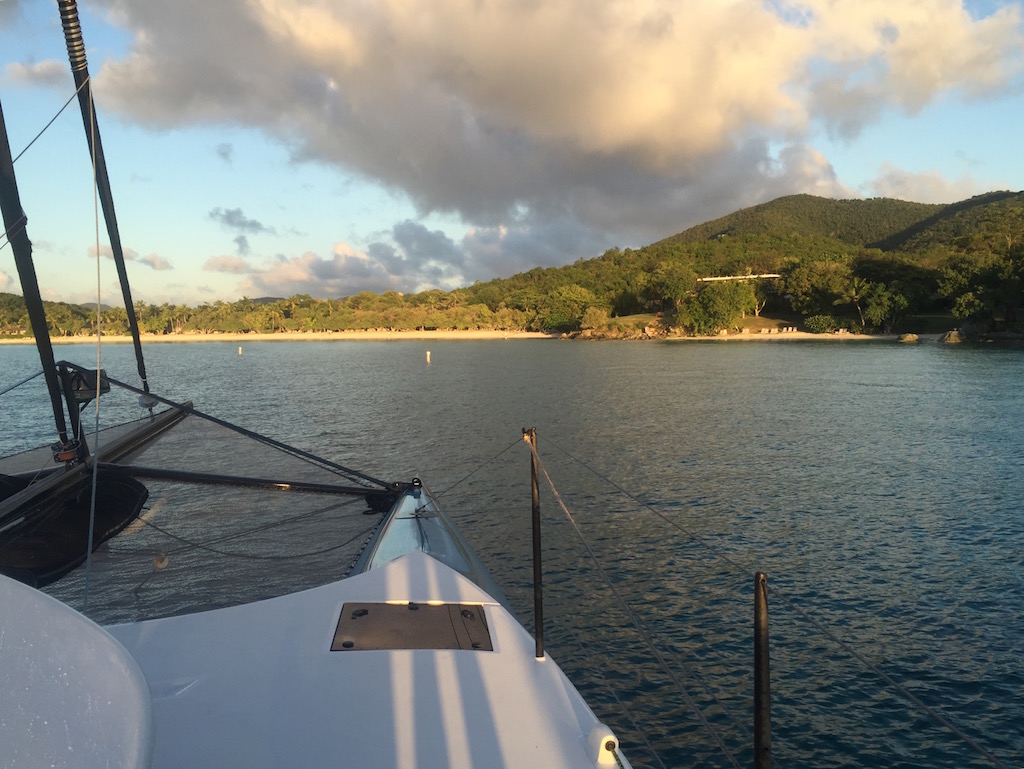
point(880, 487)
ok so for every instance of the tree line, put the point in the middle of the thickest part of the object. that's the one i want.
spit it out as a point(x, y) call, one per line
point(873, 266)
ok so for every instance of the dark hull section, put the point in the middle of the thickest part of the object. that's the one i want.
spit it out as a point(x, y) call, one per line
point(50, 535)
point(44, 521)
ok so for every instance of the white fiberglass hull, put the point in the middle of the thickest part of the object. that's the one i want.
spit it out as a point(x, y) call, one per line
point(409, 664)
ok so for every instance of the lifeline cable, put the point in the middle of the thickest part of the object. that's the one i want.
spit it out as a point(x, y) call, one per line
point(623, 708)
point(638, 623)
point(927, 709)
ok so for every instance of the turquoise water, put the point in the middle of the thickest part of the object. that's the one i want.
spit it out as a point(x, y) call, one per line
point(878, 485)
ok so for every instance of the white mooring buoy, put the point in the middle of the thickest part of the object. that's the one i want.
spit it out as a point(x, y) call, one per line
point(428, 356)
point(239, 350)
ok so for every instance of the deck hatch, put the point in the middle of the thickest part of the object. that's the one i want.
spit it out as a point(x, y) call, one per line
point(366, 626)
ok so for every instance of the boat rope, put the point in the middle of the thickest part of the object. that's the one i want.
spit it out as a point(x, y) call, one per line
point(254, 530)
point(928, 710)
point(192, 545)
point(641, 627)
point(46, 127)
point(615, 754)
point(189, 545)
point(26, 380)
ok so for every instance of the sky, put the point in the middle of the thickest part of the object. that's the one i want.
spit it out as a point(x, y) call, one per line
point(327, 147)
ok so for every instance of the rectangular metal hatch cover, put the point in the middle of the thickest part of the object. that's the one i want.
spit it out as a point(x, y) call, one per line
point(366, 626)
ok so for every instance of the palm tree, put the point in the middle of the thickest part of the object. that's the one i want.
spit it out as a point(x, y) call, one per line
point(856, 290)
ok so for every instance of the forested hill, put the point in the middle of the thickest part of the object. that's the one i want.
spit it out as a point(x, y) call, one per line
point(882, 223)
point(863, 265)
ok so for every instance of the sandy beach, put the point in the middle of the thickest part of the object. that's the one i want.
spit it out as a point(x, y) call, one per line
point(295, 336)
point(377, 336)
point(792, 336)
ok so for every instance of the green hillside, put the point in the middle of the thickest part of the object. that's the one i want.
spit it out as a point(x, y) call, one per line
point(863, 265)
point(856, 222)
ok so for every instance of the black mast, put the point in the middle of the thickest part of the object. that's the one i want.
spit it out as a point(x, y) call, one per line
point(80, 70)
point(15, 225)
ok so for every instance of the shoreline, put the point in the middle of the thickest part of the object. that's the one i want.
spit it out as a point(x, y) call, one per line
point(800, 336)
point(292, 336)
point(384, 336)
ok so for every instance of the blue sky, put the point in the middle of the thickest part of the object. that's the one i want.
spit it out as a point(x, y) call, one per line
point(274, 147)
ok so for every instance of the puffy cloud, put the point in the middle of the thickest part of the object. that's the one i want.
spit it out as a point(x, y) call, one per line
point(552, 129)
point(106, 251)
point(233, 265)
point(154, 261)
point(157, 262)
point(8, 10)
point(48, 72)
point(345, 273)
point(234, 219)
point(878, 54)
point(472, 106)
point(922, 187)
point(6, 282)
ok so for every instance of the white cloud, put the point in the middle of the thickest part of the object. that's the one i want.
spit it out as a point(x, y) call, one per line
point(501, 96)
point(157, 262)
point(556, 129)
point(346, 272)
point(48, 72)
point(235, 219)
point(105, 250)
point(922, 186)
point(233, 265)
point(6, 282)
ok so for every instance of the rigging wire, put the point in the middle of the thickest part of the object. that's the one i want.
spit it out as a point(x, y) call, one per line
point(26, 380)
point(478, 468)
point(19, 224)
point(28, 146)
point(99, 337)
point(325, 464)
point(52, 120)
point(635, 618)
point(928, 710)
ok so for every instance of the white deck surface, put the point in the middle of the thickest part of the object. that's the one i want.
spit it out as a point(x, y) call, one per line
point(257, 686)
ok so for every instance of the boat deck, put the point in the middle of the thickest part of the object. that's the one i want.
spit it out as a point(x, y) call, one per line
point(216, 704)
